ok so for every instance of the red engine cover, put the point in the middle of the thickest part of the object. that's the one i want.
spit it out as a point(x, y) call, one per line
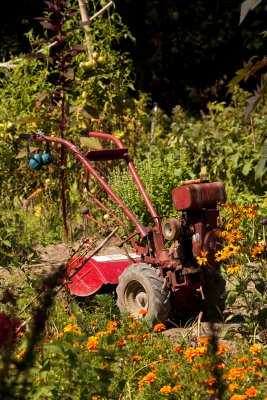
point(197, 196)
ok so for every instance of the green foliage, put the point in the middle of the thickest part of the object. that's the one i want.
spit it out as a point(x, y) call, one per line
point(159, 177)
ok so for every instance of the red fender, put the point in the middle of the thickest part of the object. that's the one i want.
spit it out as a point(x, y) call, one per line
point(96, 272)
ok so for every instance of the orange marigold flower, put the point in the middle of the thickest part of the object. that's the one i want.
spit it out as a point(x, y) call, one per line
point(92, 342)
point(175, 366)
point(131, 316)
point(210, 381)
point(148, 378)
point(166, 389)
point(191, 353)
point(203, 340)
point(257, 250)
point(121, 343)
point(196, 367)
point(112, 326)
point(210, 391)
point(243, 359)
point(222, 348)
point(177, 388)
point(175, 375)
point(159, 327)
point(136, 358)
point(238, 397)
point(131, 336)
point(258, 374)
point(92, 323)
point(233, 386)
point(178, 349)
point(257, 361)
point(251, 392)
point(255, 349)
point(250, 368)
point(142, 311)
point(236, 373)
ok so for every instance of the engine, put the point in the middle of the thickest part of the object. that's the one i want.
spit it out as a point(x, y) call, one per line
point(195, 233)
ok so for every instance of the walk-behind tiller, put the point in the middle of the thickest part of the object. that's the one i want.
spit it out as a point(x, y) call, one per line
point(162, 274)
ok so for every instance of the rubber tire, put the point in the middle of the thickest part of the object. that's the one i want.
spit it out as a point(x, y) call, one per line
point(141, 287)
point(214, 292)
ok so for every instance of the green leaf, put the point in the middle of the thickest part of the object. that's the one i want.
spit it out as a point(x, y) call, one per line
point(262, 318)
point(247, 168)
point(260, 285)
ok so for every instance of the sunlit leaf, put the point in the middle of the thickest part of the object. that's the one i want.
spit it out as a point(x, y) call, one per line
point(246, 6)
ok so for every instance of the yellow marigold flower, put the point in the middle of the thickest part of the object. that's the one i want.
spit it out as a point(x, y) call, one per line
point(72, 328)
point(159, 327)
point(102, 333)
point(177, 388)
point(21, 354)
point(148, 378)
point(166, 389)
point(202, 259)
point(233, 386)
point(92, 342)
point(38, 378)
point(257, 250)
point(59, 335)
point(233, 268)
point(251, 392)
point(136, 358)
point(255, 349)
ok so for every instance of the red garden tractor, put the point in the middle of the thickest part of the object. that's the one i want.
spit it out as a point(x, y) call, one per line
point(163, 271)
